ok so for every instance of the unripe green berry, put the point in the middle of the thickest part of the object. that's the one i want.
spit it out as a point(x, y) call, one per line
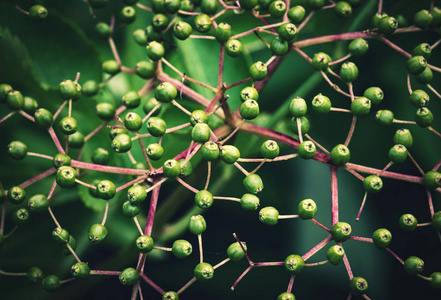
point(159, 22)
point(202, 23)
point(198, 116)
point(145, 243)
point(165, 92)
point(361, 106)
point(76, 140)
point(320, 61)
point(348, 72)
point(186, 169)
point(155, 151)
point(382, 238)
point(307, 150)
point(182, 30)
point(203, 199)
point(127, 15)
point(258, 71)
point(100, 156)
point(279, 46)
point(105, 111)
point(170, 296)
point(181, 248)
point(14, 100)
point(51, 283)
point(304, 125)
point(296, 14)
point(398, 153)
point(136, 194)
point(249, 93)
point(43, 118)
point(416, 64)
point(419, 98)
point(68, 125)
point(375, 94)
point(340, 155)
point(121, 143)
point(432, 179)
point(372, 184)
point(424, 117)
point(72, 244)
point(171, 168)
point(321, 104)
point(294, 264)
point(287, 32)
point(34, 274)
point(60, 235)
point(132, 121)
point(155, 51)
point(316, 4)
point(435, 280)
point(253, 183)
point(343, 9)
point(145, 69)
point(358, 47)
point(171, 6)
point(249, 109)
point(269, 215)
point(210, 151)
point(341, 231)
point(203, 271)
point(38, 203)
point(408, 222)
point(422, 19)
point(131, 99)
point(404, 137)
point(413, 265)
point(436, 16)
point(38, 12)
point(307, 209)
point(106, 189)
point(233, 47)
point(97, 3)
point(152, 34)
point(387, 25)
point(223, 32)
point(235, 252)
point(20, 216)
point(130, 209)
point(209, 7)
point(197, 224)
point(377, 17)
point(97, 233)
point(103, 30)
point(17, 150)
point(66, 176)
point(110, 67)
point(385, 117)
point(425, 77)
point(422, 49)
point(68, 89)
point(249, 202)
point(229, 154)
point(5, 89)
point(269, 149)
point(151, 104)
point(248, 4)
point(335, 254)
point(80, 270)
point(201, 133)
point(286, 296)
point(358, 285)
point(156, 126)
point(277, 9)
point(128, 276)
point(16, 195)
point(298, 107)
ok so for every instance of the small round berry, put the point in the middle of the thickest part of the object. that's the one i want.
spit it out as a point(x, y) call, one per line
point(424, 117)
point(20, 216)
point(408, 222)
point(156, 126)
point(68, 125)
point(416, 64)
point(17, 150)
point(105, 111)
point(304, 125)
point(60, 235)
point(38, 12)
point(298, 107)
point(419, 98)
point(288, 33)
point(375, 94)
point(5, 89)
point(307, 150)
point(422, 49)
point(209, 7)
point(100, 156)
point(358, 47)
point(121, 143)
point(341, 231)
point(203, 199)
point(404, 137)
point(203, 271)
point(14, 100)
point(97, 233)
point(171, 6)
point(68, 89)
point(145, 69)
point(436, 220)
point(385, 117)
point(131, 99)
point(165, 92)
point(43, 118)
point(223, 32)
point(248, 4)
point(269, 149)
point(72, 243)
point(361, 106)
point(387, 25)
point(171, 168)
point(229, 154)
point(436, 16)
point(186, 6)
point(145, 243)
point(103, 30)
point(66, 176)
point(279, 46)
point(128, 276)
point(181, 248)
point(198, 116)
point(210, 151)
point(130, 209)
point(151, 104)
point(155, 51)
point(80, 270)
point(277, 9)
point(435, 280)
point(248, 93)
point(249, 109)
point(294, 264)
point(235, 252)
point(372, 184)
point(422, 19)
point(51, 283)
point(398, 153)
point(340, 155)
point(321, 104)
point(16, 195)
point(201, 133)
point(307, 209)
point(425, 77)
point(197, 224)
point(335, 254)
point(38, 203)
point(202, 23)
point(249, 202)
point(186, 169)
point(182, 30)
point(348, 72)
point(382, 238)
point(76, 140)
point(106, 189)
point(127, 15)
point(258, 71)
point(320, 61)
point(253, 183)
point(377, 17)
point(316, 4)
point(136, 194)
point(110, 67)
point(269, 215)
point(342, 9)
point(233, 48)
point(432, 179)
point(159, 22)
point(286, 296)
point(296, 14)
point(154, 151)
point(90, 88)
point(34, 274)
point(170, 296)
point(358, 285)
point(132, 121)
point(152, 34)
point(413, 265)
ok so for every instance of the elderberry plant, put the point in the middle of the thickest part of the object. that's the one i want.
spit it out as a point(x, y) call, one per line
point(212, 149)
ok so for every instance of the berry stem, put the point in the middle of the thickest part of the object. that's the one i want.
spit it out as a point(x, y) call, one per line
point(232, 133)
point(362, 206)
point(393, 46)
point(241, 276)
point(409, 86)
point(245, 172)
point(415, 163)
point(153, 202)
point(55, 140)
point(227, 198)
point(269, 264)
point(250, 262)
point(424, 224)
point(436, 167)
point(3, 218)
point(163, 248)
point(106, 212)
point(51, 195)
point(220, 71)
point(73, 252)
point(53, 217)
point(347, 265)
point(37, 178)
point(85, 184)
point(395, 255)
point(175, 103)
point(21, 10)
point(95, 131)
point(231, 85)
point(144, 7)
point(282, 217)
point(107, 169)
point(221, 263)
point(182, 289)
point(186, 185)
point(334, 194)
point(433, 90)
point(135, 219)
point(403, 122)
point(299, 129)
point(320, 224)
point(11, 232)
point(335, 62)
point(316, 263)
point(380, 6)
point(151, 283)
point(114, 51)
point(7, 116)
point(361, 239)
point(207, 181)
point(291, 283)
point(11, 273)
point(139, 179)
point(258, 167)
point(317, 248)
point(100, 272)
point(40, 155)
point(434, 131)
point(305, 21)
point(317, 144)
point(302, 54)
point(201, 252)
point(176, 128)
point(429, 198)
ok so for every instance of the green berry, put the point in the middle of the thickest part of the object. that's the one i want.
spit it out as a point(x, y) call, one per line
point(110, 67)
point(408, 222)
point(258, 71)
point(202, 23)
point(432, 179)
point(30, 105)
point(90, 88)
point(340, 155)
point(436, 16)
point(413, 265)
point(43, 118)
point(152, 34)
point(342, 9)
point(145, 243)
point(136, 194)
point(320, 61)
point(249, 109)
point(68, 125)
point(20, 216)
point(210, 151)
point(385, 117)
point(5, 89)
point(304, 125)
point(72, 243)
point(435, 280)
point(145, 69)
point(155, 151)
point(80, 270)
point(372, 184)
point(358, 47)
point(151, 104)
point(131, 99)
point(140, 37)
point(307, 150)
point(229, 154)
point(321, 104)
point(298, 107)
point(387, 25)
point(68, 89)
point(51, 283)
point(182, 30)
point(209, 7)
point(181, 248)
point(404, 137)
point(422, 49)
point(235, 252)
point(16, 195)
point(76, 140)
point(198, 116)
point(424, 117)
point(121, 143)
point(105, 111)
point(171, 6)
point(60, 235)
point(223, 32)
point(203, 199)
point(106, 189)
point(416, 64)
point(419, 98)
point(186, 169)
point(294, 264)
point(348, 72)
point(128, 276)
point(100, 156)
point(375, 94)
point(34, 274)
point(156, 126)
point(286, 296)
point(279, 46)
point(130, 209)
point(253, 183)
point(335, 254)
point(61, 159)
point(97, 233)
point(249, 202)
point(203, 271)
point(269, 149)
point(38, 203)
point(159, 22)
point(17, 150)
point(171, 168)
point(425, 77)
point(103, 30)
point(422, 19)
point(358, 285)
point(155, 51)
point(14, 100)
point(127, 15)
point(165, 92)
point(382, 238)
point(248, 4)
point(377, 17)
point(197, 224)
point(233, 47)
point(341, 231)
point(132, 121)
point(66, 176)
point(361, 106)
point(287, 32)
point(277, 9)
point(316, 4)
point(269, 215)
point(398, 153)
point(201, 133)
point(170, 296)
point(307, 209)
point(296, 14)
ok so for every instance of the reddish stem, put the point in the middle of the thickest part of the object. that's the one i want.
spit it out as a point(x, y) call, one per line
point(334, 194)
point(317, 248)
point(152, 210)
point(37, 178)
point(152, 284)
